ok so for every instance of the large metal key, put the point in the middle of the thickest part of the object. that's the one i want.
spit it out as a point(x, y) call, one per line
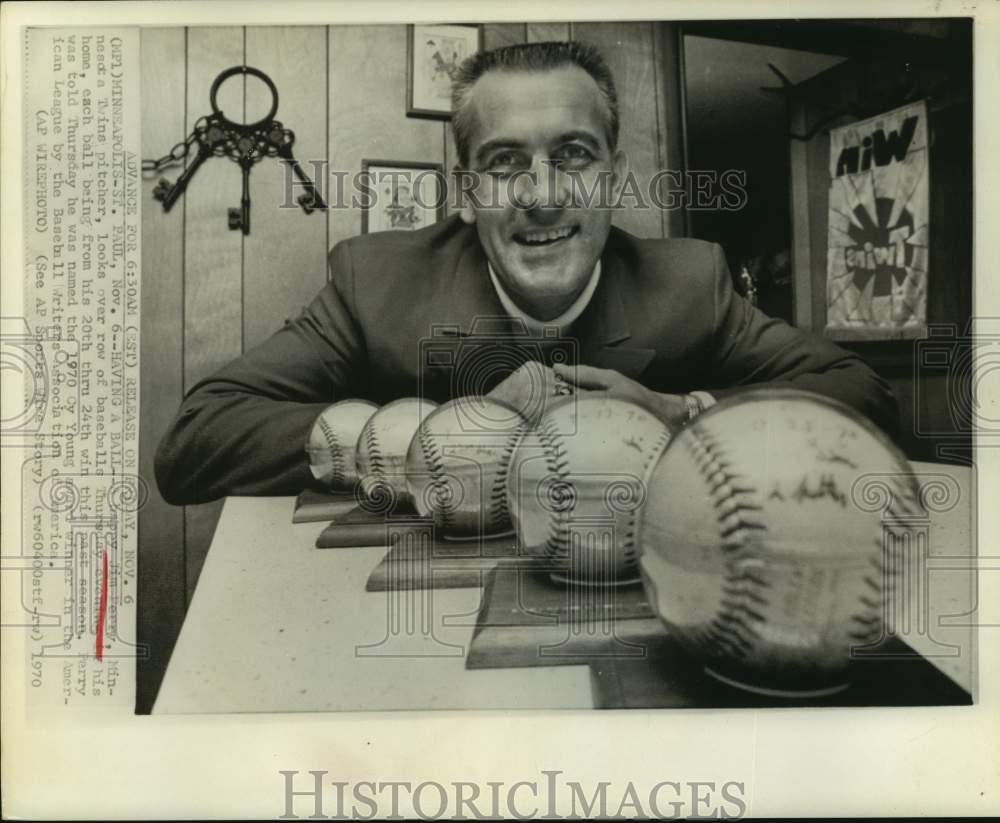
point(310, 199)
point(240, 218)
point(168, 194)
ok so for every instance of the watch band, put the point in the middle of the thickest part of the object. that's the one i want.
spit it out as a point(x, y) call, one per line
point(703, 397)
point(694, 407)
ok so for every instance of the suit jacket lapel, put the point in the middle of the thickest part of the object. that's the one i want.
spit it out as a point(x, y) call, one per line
point(604, 326)
point(472, 294)
point(469, 307)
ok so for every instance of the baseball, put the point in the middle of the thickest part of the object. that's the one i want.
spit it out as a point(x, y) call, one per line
point(757, 549)
point(577, 482)
point(456, 466)
point(333, 440)
point(381, 448)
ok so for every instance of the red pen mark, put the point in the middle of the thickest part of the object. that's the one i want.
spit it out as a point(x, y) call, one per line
point(104, 607)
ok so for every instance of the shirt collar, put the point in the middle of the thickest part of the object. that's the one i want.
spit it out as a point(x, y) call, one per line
point(564, 320)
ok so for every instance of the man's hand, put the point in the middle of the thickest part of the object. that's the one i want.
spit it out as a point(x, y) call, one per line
point(529, 389)
point(670, 408)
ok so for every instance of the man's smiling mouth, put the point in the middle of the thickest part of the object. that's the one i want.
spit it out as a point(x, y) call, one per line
point(544, 237)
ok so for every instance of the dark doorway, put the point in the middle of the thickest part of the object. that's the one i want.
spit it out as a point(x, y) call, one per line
point(737, 121)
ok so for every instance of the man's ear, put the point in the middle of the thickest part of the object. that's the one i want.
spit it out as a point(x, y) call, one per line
point(461, 178)
point(619, 172)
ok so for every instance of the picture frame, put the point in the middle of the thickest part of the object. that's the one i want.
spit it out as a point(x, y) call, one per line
point(404, 195)
point(432, 55)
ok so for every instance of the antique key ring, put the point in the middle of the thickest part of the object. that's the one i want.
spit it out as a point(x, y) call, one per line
point(245, 143)
point(230, 72)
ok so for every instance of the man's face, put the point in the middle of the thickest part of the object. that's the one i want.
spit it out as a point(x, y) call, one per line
point(531, 133)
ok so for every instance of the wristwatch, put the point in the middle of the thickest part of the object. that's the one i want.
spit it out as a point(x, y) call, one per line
point(694, 407)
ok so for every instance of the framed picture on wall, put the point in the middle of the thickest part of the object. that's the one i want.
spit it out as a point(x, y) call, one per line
point(403, 195)
point(433, 54)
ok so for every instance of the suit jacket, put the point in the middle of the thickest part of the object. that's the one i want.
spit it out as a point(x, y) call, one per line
point(400, 309)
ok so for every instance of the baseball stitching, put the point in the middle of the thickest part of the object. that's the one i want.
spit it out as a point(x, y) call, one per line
point(435, 462)
point(557, 544)
point(374, 453)
point(336, 451)
point(882, 580)
point(499, 511)
point(866, 626)
point(733, 629)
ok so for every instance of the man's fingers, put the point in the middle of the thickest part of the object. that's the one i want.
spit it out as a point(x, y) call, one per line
point(533, 372)
point(585, 377)
point(527, 389)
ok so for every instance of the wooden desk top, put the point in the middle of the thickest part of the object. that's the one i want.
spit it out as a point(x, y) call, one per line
point(276, 625)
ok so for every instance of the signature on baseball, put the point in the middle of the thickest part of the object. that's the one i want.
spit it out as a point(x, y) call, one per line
point(811, 488)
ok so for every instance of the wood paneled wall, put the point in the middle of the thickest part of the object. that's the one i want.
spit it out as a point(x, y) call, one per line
point(210, 293)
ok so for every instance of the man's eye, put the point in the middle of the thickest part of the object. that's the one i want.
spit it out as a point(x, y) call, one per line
point(573, 155)
point(504, 160)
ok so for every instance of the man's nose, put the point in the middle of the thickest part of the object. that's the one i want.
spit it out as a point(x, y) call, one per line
point(545, 189)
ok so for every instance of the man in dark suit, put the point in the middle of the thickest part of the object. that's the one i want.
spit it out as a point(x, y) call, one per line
point(655, 321)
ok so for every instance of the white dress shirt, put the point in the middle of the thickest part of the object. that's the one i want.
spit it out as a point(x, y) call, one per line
point(564, 320)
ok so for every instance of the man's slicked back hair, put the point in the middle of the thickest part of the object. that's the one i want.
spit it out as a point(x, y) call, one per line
point(528, 57)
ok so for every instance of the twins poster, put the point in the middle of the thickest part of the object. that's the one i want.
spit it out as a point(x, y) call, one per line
point(878, 227)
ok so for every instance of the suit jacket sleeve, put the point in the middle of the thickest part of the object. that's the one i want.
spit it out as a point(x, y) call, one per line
point(752, 350)
point(243, 430)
